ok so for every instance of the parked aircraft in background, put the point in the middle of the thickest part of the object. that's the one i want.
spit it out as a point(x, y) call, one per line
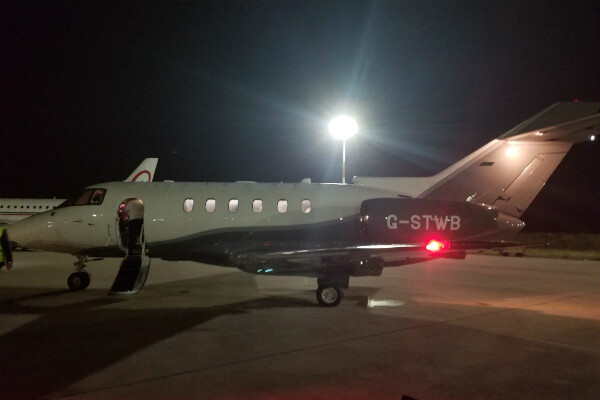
point(12, 210)
point(327, 231)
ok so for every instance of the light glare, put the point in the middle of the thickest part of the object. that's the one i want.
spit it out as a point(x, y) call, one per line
point(434, 246)
point(342, 127)
point(511, 152)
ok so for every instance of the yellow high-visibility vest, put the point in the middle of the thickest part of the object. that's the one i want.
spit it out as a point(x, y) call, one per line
point(1, 250)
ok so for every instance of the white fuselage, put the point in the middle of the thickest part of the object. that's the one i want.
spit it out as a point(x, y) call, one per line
point(169, 215)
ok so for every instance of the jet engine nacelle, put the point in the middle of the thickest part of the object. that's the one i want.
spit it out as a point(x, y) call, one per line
point(407, 220)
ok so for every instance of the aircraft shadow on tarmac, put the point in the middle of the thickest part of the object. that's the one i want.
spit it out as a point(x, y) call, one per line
point(68, 342)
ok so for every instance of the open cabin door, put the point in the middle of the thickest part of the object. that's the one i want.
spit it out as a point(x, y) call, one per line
point(135, 266)
point(130, 223)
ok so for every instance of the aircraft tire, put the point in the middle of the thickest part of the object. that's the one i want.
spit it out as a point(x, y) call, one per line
point(329, 295)
point(78, 281)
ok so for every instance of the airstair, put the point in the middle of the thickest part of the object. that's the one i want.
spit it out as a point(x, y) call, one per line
point(133, 272)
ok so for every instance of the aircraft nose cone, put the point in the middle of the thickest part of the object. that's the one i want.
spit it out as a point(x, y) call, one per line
point(26, 232)
point(15, 234)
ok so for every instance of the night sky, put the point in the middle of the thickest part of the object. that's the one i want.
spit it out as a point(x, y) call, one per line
point(243, 90)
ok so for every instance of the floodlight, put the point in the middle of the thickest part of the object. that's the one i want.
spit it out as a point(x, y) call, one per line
point(343, 127)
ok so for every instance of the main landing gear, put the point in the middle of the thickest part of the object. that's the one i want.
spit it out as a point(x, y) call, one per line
point(329, 293)
point(79, 279)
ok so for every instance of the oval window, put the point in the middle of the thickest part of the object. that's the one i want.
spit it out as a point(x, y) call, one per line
point(306, 206)
point(188, 205)
point(282, 206)
point(210, 206)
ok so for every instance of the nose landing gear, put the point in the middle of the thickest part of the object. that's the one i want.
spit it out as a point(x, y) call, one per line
point(79, 279)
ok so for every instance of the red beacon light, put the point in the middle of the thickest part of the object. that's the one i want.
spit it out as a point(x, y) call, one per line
point(434, 246)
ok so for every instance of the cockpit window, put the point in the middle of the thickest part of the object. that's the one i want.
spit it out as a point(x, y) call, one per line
point(84, 197)
point(98, 196)
point(88, 196)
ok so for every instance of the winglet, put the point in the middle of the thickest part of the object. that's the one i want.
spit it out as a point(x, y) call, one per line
point(144, 172)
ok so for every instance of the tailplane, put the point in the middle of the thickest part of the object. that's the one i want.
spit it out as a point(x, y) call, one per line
point(508, 172)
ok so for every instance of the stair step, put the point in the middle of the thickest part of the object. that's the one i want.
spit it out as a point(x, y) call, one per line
point(132, 275)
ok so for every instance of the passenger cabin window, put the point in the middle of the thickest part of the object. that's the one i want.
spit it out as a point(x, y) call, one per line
point(188, 205)
point(257, 205)
point(306, 205)
point(210, 205)
point(233, 205)
point(282, 206)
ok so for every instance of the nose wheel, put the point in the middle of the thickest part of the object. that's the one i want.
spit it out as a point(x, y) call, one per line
point(78, 281)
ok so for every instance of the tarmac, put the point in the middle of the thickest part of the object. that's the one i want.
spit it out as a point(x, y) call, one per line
point(482, 328)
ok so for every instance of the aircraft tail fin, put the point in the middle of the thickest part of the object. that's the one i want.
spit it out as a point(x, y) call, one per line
point(510, 171)
point(144, 172)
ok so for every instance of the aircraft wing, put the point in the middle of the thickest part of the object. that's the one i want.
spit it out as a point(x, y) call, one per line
point(359, 260)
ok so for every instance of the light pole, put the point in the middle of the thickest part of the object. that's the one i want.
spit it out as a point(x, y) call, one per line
point(343, 127)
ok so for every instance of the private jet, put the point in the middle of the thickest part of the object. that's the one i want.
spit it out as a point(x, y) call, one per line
point(330, 232)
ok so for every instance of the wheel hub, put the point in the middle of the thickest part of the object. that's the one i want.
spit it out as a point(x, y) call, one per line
point(329, 295)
